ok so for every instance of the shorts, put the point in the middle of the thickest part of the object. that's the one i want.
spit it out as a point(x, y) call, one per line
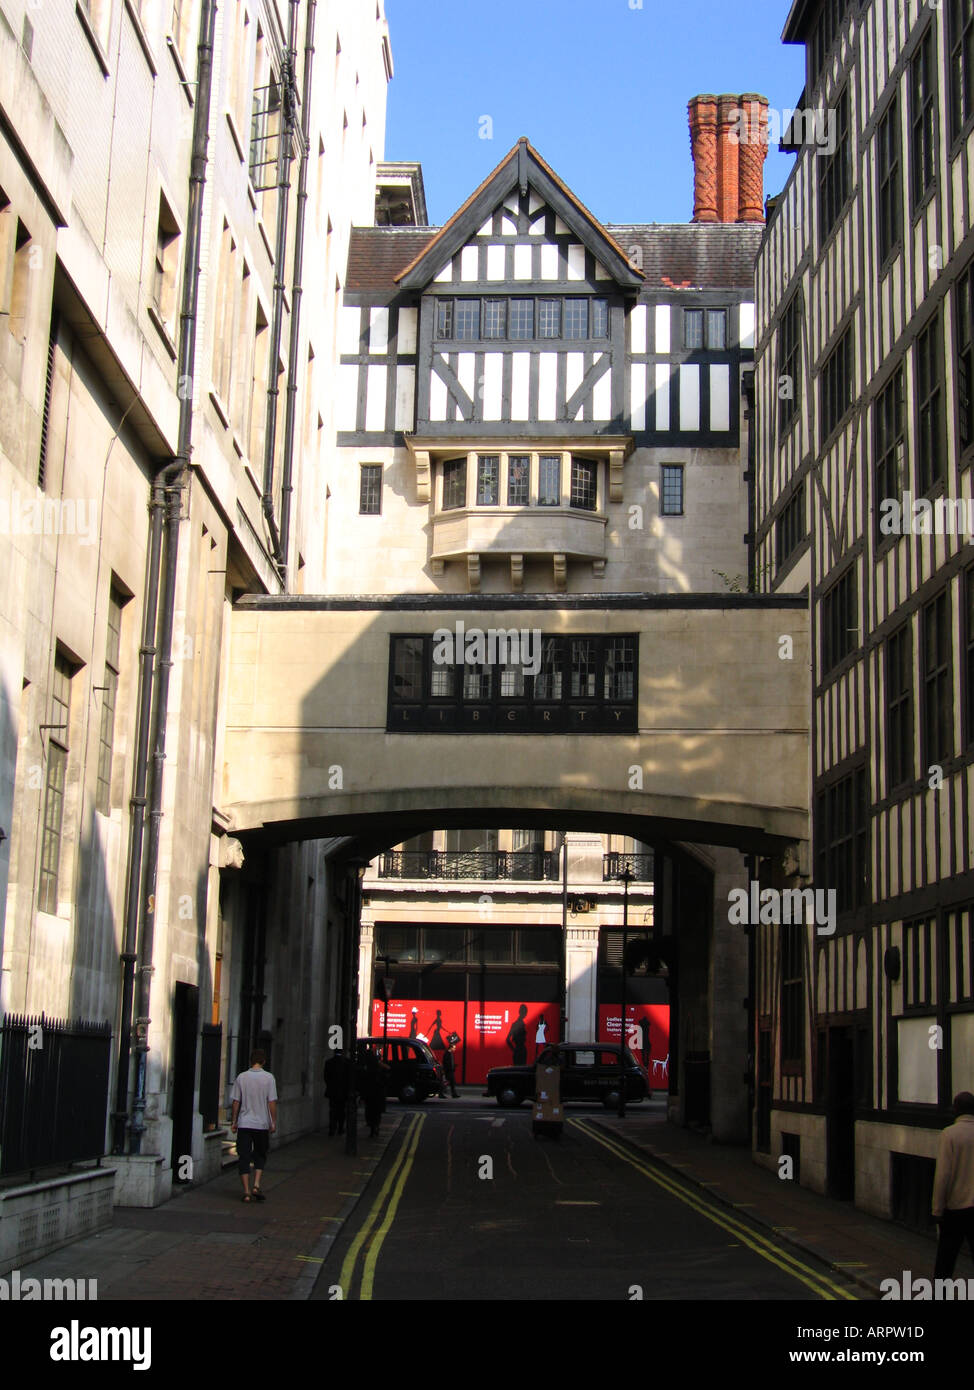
point(255, 1140)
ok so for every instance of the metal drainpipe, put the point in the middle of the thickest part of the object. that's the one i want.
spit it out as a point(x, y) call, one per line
point(280, 255)
point(296, 289)
point(137, 805)
point(167, 491)
point(752, 425)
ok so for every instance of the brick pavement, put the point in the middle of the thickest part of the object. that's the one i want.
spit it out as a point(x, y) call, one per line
point(205, 1243)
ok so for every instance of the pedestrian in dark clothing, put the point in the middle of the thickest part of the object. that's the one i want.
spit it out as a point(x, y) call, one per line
point(953, 1187)
point(450, 1071)
point(338, 1079)
point(372, 1087)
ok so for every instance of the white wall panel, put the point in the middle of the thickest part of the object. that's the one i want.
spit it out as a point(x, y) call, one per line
point(493, 378)
point(495, 262)
point(576, 262)
point(407, 330)
point(638, 397)
point(375, 401)
point(662, 328)
point(405, 396)
point(522, 262)
point(469, 258)
point(689, 396)
point(547, 385)
point(520, 385)
point(549, 262)
point(379, 330)
point(437, 397)
point(638, 325)
point(663, 370)
point(720, 396)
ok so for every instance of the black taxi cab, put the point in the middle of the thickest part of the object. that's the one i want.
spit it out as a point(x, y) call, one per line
point(589, 1071)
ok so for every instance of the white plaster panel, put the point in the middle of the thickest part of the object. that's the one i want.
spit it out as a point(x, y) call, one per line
point(917, 1061)
point(549, 262)
point(407, 330)
point(375, 400)
point(467, 373)
point(347, 398)
point(600, 272)
point(747, 325)
point(576, 263)
point(508, 226)
point(520, 385)
point(961, 1051)
point(547, 385)
point(522, 262)
point(493, 378)
point(602, 397)
point(469, 257)
point(720, 396)
point(488, 228)
point(405, 396)
point(495, 262)
point(638, 326)
point(574, 371)
point(534, 202)
point(379, 330)
point(662, 328)
point(349, 336)
point(560, 228)
point(446, 274)
point(689, 396)
point(663, 371)
point(437, 397)
point(638, 397)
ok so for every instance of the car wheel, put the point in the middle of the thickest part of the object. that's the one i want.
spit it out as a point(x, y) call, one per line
point(509, 1098)
point(610, 1100)
point(407, 1094)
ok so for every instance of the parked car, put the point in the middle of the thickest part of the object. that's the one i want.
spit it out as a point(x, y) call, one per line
point(414, 1073)
point(590, 1071)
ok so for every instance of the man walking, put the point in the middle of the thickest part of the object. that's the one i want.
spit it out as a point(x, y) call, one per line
point(338, 1071)
point(953, 1186)
point(450, 1069)
point(253, 1120)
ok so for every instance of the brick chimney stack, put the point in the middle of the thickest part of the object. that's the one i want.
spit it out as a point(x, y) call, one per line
point(728, 140)
point(703, 144)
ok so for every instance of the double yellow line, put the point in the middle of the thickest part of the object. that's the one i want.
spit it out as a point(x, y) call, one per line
point(371, 1243)
point(820, 1284)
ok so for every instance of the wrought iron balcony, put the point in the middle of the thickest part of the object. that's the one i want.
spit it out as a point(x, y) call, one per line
point(517, 865)
point(639, 865)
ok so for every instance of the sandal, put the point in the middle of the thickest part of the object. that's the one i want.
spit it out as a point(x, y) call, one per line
point(258, 1195)
point(245, 1197)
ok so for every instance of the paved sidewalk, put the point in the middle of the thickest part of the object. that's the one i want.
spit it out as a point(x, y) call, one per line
point(205, 1243)
point(865, 1248)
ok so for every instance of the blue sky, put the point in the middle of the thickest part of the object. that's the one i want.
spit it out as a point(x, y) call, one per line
point(600, 89)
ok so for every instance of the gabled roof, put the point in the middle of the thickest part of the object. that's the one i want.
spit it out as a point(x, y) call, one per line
point(520, 168)
point(377, 254)
point(694, 255)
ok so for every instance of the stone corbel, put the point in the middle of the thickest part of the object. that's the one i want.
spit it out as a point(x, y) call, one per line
point(598, 569)
point(473, 573)
point(561, 572)
point(616, 460)
point(437, 566)
point(231, 853)
point(424, 488)
point(517, 573)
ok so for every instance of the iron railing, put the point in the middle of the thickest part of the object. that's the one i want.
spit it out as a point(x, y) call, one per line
point(639, 865)
point(53, 1091)
point(521, 865)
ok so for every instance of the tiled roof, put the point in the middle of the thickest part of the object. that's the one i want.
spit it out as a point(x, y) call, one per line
point(694, 255)
point(377, 254)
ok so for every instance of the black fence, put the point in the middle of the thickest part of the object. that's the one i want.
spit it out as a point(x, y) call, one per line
point(519, 865)
point(211, 1043)
point(640, 867)
point(53, 1091)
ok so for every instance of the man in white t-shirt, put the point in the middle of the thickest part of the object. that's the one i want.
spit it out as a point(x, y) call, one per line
point(253, 1120)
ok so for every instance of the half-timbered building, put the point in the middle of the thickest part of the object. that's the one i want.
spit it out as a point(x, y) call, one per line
point(863, 381)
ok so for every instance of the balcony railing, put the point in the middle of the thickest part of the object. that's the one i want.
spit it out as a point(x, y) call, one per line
point(517, 865)
point(639, 865)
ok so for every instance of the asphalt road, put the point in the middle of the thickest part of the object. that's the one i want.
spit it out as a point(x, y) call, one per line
point(467, 1204)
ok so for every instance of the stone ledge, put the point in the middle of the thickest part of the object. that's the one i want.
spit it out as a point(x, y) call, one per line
point(40, 1217)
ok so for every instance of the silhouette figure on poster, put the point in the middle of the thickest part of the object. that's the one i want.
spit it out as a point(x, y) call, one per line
point(540, 1036)
point(517, 1038)
point(436, 1039)
point(645, 1042)
point(414, 1023)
